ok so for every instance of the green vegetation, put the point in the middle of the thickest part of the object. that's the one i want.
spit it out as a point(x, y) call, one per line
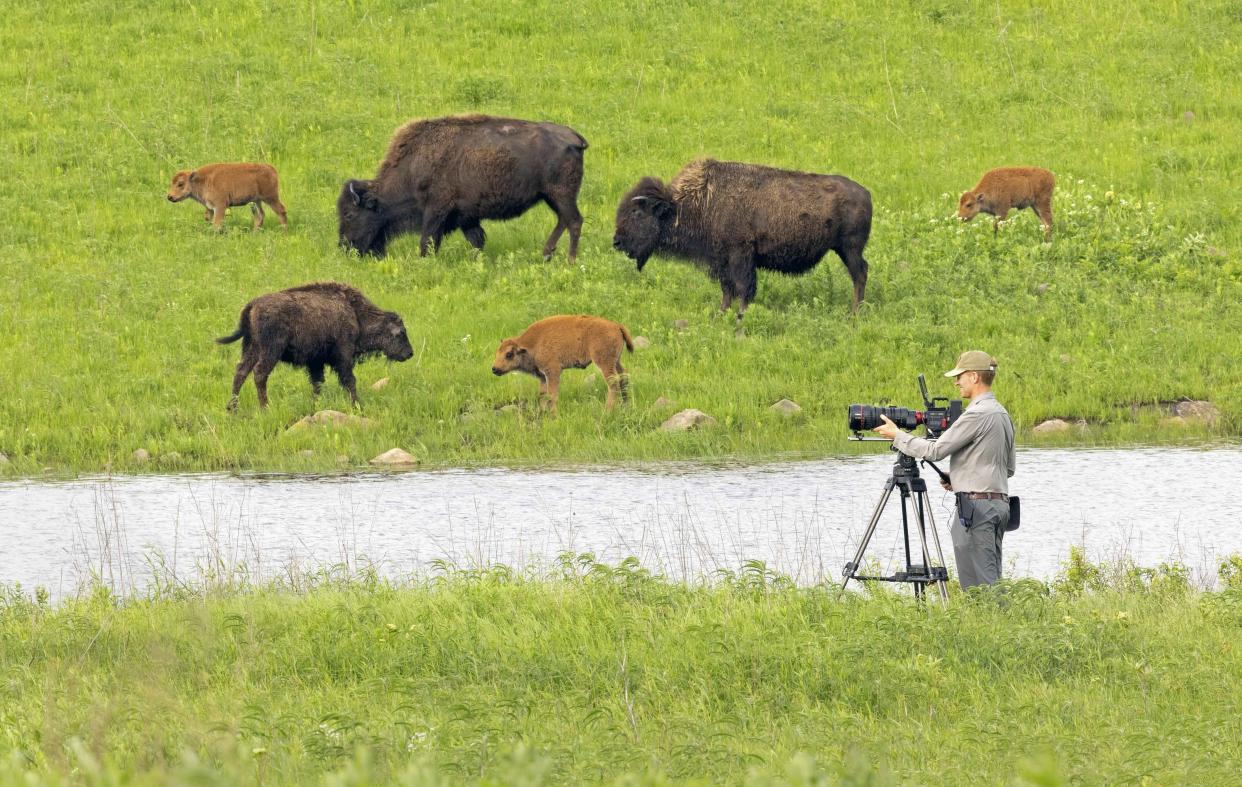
point(591, 673)
point(113, 296)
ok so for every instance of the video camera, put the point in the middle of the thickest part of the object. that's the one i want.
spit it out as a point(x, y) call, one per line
point(937, 416)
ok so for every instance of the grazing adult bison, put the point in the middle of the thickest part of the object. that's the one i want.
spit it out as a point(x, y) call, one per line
point(451, 173)
point(1006, 188)
point(218, 187)
point(740, 217)
point(315, 325)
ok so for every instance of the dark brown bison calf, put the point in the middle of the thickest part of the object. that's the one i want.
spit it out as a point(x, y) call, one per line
point(1006, 188)
point(315, 325)
point(567, 342)
point(219, 187)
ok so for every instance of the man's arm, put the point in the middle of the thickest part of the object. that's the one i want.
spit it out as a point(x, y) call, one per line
point(963, 431)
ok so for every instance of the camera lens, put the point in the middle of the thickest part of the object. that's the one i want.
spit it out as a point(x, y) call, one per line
point(863, 417)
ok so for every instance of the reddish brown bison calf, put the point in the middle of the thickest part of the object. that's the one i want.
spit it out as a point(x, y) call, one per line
point(315, 325)
point(567, 342)
point(219, 187)
point(1003, 189)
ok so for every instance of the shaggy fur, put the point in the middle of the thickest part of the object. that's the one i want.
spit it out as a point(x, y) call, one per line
point(1003, 189)
point(741, 217)
point(450, 173)
point(568, 342)
point(218, 187)
point(315, 325)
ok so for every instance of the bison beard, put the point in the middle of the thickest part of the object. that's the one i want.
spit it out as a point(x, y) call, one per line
point(738, 218)
point(451, 173)
point(313, 326)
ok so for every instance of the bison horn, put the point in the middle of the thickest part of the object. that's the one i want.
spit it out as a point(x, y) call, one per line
point(354, 194)
point(641, 199)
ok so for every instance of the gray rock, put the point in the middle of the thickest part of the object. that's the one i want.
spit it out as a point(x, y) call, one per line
point(663, 402)
point(786, 407)
point(379, 384)
point(1197, 411)
point(141, 456)
point(330, 418)
point(1051, 426)
point(681, 326)
point(641, 342)
point(1040, 289)
point(395, 457)
point(511, 408)
point(686, 420)
point(1188, 116)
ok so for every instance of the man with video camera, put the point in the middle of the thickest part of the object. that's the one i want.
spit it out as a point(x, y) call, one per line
point(982, 458)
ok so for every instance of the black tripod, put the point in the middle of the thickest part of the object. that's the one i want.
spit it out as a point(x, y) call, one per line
point(906, 477)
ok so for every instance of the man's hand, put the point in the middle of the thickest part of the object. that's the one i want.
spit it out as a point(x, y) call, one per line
point(946, 486)
point(888, 430)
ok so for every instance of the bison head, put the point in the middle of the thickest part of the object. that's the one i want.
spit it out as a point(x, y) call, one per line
point(969, 205)
point(643, 217)
point(384, 332)
point(511, 357)
point(179, 189)
point(363, 218)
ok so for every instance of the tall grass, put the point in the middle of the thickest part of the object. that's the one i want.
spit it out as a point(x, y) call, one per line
point(597, 673)
point(113, 295)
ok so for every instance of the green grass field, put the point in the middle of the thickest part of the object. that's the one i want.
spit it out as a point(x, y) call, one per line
point(598, 674)
point(113, 295)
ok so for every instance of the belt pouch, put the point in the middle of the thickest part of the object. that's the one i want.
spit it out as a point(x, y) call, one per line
point(1015, 514)
point(965, 509)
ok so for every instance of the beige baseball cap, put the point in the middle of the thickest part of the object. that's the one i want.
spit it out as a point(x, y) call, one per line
point(972, 361)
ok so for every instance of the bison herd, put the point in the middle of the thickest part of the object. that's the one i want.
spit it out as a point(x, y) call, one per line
point(452, 173)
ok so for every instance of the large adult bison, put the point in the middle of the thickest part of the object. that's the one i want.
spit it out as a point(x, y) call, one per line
point(739, 217)
point(450, 173)
point(315, 325)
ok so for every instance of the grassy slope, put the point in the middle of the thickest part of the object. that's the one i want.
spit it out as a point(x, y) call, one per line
point(489, 677)
point(113, 295)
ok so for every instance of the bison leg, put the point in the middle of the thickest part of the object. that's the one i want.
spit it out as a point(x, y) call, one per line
point(208, 215)
point(1043, 209)
point(553, 378)
point(315, 371)
point(997, 219)
point(726, 295)
point(567, 218)
point(256, 210)
point(474, 234)
point(741, 272)
point(244, 368)
point(851, 255)
point(217, 218)
point(279, 207)
point(345, 373)
point(262, 370)
point(433, 230)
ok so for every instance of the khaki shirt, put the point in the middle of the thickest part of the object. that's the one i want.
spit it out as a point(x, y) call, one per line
point(980, 444)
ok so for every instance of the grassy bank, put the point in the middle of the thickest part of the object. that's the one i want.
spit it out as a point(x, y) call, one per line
point(113, 295)
point(606, 674)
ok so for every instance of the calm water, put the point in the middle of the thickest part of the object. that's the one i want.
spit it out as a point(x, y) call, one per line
point(802, 518)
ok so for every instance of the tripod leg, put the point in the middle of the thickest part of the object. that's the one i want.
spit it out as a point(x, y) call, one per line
point(852, 566)
point(931, 523)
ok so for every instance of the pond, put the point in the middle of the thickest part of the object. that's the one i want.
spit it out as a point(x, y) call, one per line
point(686, 521)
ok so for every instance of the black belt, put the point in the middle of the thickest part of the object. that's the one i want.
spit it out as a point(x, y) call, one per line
point(987, 495)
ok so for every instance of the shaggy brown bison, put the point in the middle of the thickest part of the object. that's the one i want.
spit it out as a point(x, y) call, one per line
point(450, 173)
point(739, 217)
point(218, 187)
point(567, 342)
point(1003, 189)
point(315, 325)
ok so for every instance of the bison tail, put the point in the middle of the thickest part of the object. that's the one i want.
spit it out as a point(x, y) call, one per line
point(629, 343)
point(241, 328)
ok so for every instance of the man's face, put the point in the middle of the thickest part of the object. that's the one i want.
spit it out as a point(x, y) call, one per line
point(967, 383)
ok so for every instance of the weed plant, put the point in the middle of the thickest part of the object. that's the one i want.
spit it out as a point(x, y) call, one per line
point(113, 296)
point(593, 673)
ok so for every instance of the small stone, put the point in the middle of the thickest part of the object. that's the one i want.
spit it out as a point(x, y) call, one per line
point(1066, 358)
point(330, 418)
point(786, 407)
point(306, 453)
point(342, 459)
point(379, 384)
point(170, 458)
point(141, 456)
point(1040, 289)
point(1197, 410)
point(511, 408)
point(4, 458)
point(395, 457)
point(641, 342)
point(681, 326)
point(1212, 251)
point(1188, 116)
point(1051, 426)
point(663, 402)
point(686, 420)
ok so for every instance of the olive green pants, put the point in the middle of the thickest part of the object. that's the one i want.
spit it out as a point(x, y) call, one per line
point(978, 548)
